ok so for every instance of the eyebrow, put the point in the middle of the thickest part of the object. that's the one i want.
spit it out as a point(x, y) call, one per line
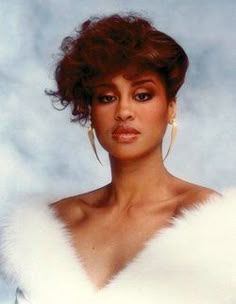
point(134, 84)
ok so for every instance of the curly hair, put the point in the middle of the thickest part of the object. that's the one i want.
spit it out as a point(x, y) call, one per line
point(106, 45)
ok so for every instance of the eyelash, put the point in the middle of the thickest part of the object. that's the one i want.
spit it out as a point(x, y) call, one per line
point(148, 95)
point(102, 97)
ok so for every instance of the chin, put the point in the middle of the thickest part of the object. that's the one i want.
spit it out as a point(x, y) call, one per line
point(129, 154)
point(132, 151)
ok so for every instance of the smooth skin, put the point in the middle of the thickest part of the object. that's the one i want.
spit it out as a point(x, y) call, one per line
point(109, 226)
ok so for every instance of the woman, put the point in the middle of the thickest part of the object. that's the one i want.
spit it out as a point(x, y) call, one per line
point(147, 236)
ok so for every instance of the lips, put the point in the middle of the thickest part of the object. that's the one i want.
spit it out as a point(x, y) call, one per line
point(125, 130)
point(125, 134)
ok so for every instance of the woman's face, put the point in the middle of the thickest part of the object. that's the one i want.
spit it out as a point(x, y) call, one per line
point(130, 116)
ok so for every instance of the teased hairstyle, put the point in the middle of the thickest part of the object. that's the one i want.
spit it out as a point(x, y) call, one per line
point(103, 46)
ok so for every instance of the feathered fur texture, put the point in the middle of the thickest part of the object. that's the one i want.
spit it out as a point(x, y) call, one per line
point(191, 262)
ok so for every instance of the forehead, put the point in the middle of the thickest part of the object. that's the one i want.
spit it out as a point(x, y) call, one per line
point(128, 77)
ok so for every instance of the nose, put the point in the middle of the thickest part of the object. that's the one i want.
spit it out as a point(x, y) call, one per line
point(124, 111)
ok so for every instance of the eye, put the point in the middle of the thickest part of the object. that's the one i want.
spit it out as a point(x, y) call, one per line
point(106, 98)
point(143, 96)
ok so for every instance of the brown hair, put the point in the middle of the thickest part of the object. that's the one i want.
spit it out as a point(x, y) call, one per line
point(103, 46)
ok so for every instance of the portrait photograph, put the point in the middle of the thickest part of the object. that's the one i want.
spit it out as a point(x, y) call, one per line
point(117, 152)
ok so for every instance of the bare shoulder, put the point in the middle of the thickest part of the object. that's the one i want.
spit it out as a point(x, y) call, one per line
point(69, 209)
point(196, 194)
point(76, 208)
point(203, 194)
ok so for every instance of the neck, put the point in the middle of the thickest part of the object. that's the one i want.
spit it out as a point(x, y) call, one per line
point(139, 181)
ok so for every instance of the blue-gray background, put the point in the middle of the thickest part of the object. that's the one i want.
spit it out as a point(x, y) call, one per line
point(41, 151)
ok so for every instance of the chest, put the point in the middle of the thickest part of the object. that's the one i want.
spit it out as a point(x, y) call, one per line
point(105, 248)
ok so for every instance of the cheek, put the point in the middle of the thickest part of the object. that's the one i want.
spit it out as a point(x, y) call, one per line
point(96, 117)
point(155, 118)
point(101, 120)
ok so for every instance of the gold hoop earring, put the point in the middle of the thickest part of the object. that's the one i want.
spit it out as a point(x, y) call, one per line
point(173, 136)
point(92, 142)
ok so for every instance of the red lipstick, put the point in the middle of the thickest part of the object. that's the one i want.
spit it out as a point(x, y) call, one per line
point(125, 134)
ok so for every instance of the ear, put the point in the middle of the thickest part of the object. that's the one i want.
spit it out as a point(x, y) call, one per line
point(171, 110)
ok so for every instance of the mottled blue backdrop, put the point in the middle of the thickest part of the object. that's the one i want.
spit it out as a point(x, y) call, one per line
point(41, 151)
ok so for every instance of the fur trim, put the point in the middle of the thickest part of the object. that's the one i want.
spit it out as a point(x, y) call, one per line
point(192, 261)
point(37, 255)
